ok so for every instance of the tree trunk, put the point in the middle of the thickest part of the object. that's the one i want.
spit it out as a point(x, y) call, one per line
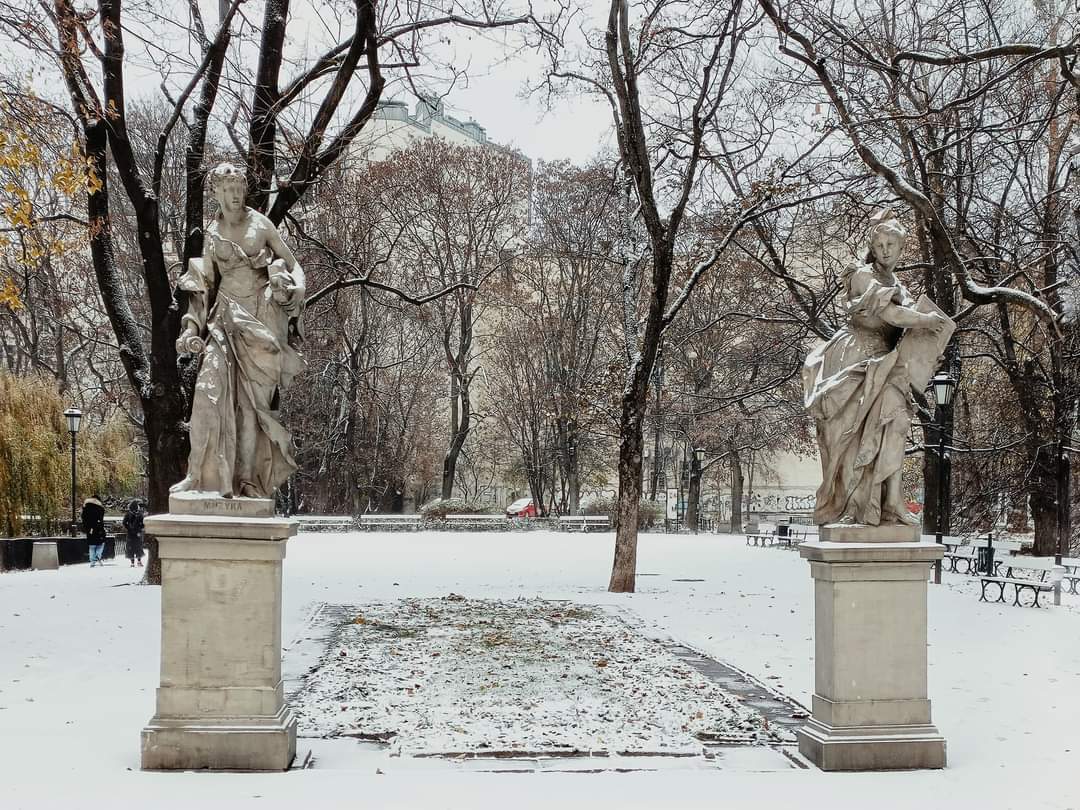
point(167, 446)
point(624, 568)
point(1042, 497)
point(460, 414)
point(566, 442)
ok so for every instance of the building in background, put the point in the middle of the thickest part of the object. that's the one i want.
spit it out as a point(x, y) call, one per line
point(393, 128)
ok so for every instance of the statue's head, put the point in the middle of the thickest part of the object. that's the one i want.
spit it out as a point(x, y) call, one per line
point(886, 238)
point(228, 184)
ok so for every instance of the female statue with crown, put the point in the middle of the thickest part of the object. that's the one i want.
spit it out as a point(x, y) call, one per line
point(858, 385)
point(245, 298)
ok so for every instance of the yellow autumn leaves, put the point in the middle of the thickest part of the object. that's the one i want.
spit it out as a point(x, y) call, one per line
point(23, 172)
point(9, 294)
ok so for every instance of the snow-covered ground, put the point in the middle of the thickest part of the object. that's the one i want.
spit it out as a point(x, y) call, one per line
point(79, 659)
point(462, 676)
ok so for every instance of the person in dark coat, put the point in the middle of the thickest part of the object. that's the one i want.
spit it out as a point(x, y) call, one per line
point(93, 526)
point(133, 524)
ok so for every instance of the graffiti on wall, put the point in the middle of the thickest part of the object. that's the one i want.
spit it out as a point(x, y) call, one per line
point(761, 502)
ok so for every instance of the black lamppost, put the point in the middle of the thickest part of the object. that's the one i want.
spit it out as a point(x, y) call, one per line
point(658, 418)
point(73, 416)
point(695, 480)
point(943, 385)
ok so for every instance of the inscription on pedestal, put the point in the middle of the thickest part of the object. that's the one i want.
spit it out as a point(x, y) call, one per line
point(208, 503)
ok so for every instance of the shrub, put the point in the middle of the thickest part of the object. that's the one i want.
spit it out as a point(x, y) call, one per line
point(650, 513)
point(440, 508)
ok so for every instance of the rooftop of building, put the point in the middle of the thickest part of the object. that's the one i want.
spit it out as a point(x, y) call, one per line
point(430, 112)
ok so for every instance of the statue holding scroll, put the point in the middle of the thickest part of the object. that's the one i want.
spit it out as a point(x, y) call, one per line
point(858, 385)
point(245, 299)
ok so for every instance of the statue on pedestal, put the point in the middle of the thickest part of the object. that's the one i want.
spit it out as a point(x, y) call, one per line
point(858, 385)
point(245, 301)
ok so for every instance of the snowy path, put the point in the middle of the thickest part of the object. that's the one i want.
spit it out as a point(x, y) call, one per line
point(79, 657)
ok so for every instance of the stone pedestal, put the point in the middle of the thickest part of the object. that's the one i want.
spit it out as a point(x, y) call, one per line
point(44, 556)
point(220, 705)
point(870, 706)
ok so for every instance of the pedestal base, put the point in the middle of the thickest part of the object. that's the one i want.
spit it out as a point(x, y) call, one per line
point(220, 705)
point(237, 744)
point(871, 748)
point(870, 704)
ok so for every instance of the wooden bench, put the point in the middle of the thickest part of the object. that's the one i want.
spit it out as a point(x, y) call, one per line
point(477, 521)
point(393, 523)
point(584, 523)
point(1034, 575)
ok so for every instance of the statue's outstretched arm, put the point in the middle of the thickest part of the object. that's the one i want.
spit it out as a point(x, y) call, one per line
point(871, 296)
point(909, 318)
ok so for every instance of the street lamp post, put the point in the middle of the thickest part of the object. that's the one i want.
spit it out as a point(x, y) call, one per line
point(943, 391)
point(695, 484)
point(73, 416)
point(658, 382)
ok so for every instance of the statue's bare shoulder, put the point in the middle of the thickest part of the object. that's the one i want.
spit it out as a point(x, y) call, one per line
point(857, 278)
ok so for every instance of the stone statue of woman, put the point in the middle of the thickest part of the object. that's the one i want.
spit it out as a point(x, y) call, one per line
point(858, 385)
point(245, 299)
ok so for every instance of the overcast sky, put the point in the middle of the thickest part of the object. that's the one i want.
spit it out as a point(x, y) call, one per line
point(576, 128)
point(498, 66)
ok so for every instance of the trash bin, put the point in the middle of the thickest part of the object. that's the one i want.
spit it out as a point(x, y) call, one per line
point(984, 560)
point(782, 530)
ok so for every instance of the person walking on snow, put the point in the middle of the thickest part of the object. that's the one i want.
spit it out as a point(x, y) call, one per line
point(133, 524)
point(93, 526)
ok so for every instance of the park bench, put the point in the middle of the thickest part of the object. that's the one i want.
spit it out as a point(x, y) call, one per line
point(392, 523)
point(584, 523)
point(1026, 575)
point(476, 521)
point(1072, 572)
point(324, 523)
point(961, 557)
point(761, 538)
point(792, 538)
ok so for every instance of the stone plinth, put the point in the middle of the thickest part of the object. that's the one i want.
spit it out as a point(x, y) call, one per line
point(861, 533)
point(44, 556)
point(871, 710)
point(220, 705)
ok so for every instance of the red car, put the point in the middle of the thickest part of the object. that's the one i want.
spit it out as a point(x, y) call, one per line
point(522, 508)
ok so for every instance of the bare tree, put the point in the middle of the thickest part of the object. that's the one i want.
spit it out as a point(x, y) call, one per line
point(460, 214)
point(558, 314)
point(325, 102)
point(669, 71)
point(972, 139)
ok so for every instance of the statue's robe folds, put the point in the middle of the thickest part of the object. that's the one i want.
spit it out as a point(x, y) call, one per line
point(857, 387)
point(246, 361)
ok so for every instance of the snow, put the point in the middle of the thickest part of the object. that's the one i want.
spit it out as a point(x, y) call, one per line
point(79, 666)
